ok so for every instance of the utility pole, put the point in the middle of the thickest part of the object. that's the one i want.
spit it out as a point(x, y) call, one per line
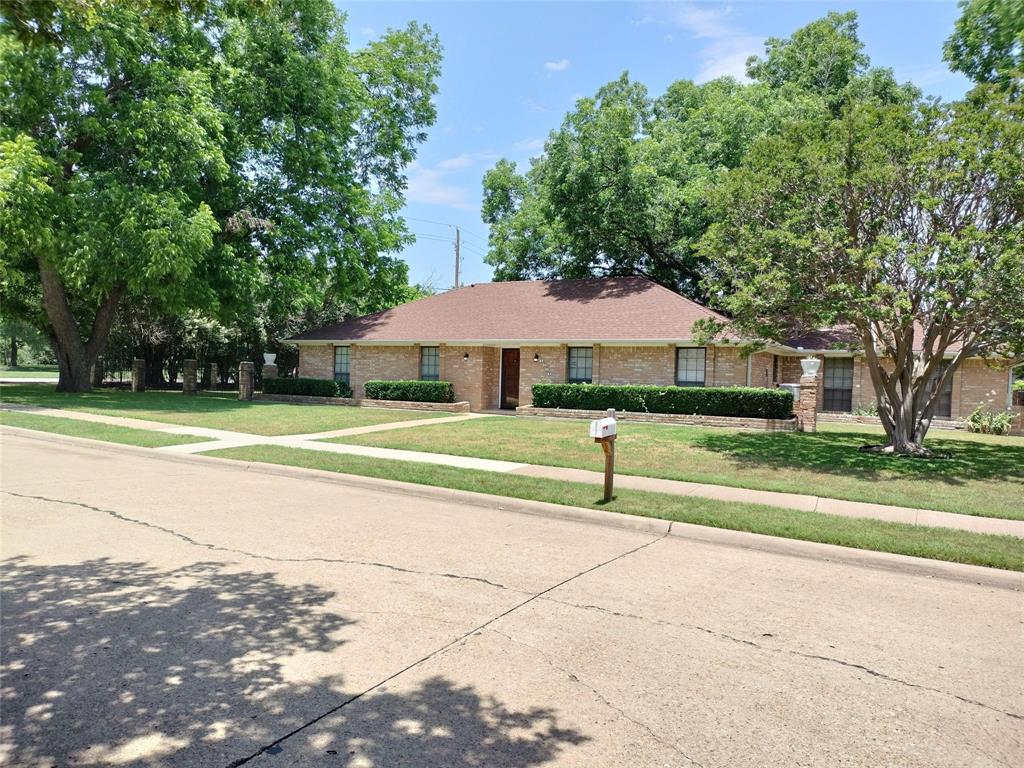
point(458, 255)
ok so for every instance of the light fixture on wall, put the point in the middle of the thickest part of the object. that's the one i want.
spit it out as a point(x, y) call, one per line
point(465, 355)
point(536, 357)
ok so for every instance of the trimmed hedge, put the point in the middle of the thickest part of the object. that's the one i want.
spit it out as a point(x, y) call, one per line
point(307, 387)
point(747, 402)
point(412, 391)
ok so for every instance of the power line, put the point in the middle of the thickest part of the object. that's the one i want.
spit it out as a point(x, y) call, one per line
point(447, 224)
point(428, 236)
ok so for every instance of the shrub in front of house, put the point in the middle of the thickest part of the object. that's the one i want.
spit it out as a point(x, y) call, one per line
point(306, 387)
point(989, 422)
point(412, 391)
point(747, 402)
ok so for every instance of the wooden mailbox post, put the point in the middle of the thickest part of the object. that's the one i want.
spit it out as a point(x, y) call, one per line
point(603, 431)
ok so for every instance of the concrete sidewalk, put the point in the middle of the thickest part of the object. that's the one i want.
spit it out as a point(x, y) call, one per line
point(219, 439)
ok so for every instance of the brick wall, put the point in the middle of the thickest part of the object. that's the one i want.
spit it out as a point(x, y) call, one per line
point(316, 361)
point(977, 383)
point(635, 365)
point(466, 375)
point(762, 370)
point(551, 368)
point(382, 363)
point(725, 367)
point(492, 376)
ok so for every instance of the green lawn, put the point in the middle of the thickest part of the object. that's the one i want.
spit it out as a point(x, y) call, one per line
point(983, 476)
point(936, 543)
point(112, 434)
point(218, 410)
point(29, 372)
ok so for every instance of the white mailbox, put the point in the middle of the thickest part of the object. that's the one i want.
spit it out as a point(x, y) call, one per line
point(602, 427)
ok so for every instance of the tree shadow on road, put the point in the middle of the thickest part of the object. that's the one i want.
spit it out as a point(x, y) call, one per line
point(123, 663)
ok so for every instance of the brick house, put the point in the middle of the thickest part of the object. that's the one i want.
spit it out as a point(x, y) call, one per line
point(494, 341)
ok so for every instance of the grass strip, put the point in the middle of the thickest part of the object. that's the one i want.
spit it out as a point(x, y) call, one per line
point(1006, 552)
point(95, 431)
point(984, 475)
point(217, 410)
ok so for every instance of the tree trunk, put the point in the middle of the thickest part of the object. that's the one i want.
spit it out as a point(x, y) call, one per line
point(75, 358)
point(906, 405)
point(75, 370)
point(14, 352)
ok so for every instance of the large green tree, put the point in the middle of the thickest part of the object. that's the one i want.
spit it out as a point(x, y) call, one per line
point(987, 43)
point(623, 184)
point(210, 155)
point(904, 222)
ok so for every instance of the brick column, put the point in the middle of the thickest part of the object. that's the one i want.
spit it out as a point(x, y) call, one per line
point(269, 371)
point(245, 380)
point(97, 372)
point(807, 407)
point(214, 376)
point(188, 376)
point(138, 375)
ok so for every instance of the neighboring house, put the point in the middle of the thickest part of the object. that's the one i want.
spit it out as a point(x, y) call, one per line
point(494, 341)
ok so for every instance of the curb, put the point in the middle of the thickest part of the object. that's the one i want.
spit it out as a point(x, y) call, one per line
point(907, 564)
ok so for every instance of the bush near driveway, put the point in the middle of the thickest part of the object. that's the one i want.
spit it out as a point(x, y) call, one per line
point(307, 387)
point(411, 391)
point(749, 402)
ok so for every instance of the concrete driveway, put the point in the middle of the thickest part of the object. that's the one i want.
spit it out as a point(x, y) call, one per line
point(165, 613)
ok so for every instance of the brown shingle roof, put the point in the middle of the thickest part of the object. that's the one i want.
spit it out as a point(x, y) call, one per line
point(598, 309)
point(845, 337)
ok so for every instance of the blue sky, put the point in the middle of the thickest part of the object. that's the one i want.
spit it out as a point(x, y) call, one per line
point(512, 70)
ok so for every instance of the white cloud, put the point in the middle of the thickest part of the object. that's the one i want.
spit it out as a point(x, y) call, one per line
point(529, 145)
point(702, 22)
point(725, 46)
point(556, 66)
point(535, 106)
point(368, 31)
point(728, 57)
point(428, 185)
point(455, 163)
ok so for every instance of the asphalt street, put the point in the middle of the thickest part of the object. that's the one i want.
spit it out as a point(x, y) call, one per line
point(160, 612)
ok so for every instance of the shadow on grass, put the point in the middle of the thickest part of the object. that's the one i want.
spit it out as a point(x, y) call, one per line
point(836, 453)
point(121, 400)
point(123, 663)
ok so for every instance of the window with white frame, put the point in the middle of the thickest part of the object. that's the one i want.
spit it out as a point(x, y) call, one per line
point(341, 363)
point(430, 363)
point(690, 363)
point(581, 365)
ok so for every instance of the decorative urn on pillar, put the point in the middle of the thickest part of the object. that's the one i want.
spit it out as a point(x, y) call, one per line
point(810, 365)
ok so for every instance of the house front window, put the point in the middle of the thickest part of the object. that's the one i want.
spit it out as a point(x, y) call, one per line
point(430, 363)
point(581, 365)
point(341, 358)
point(838, 384)
point(690, 365)
point(944, 405)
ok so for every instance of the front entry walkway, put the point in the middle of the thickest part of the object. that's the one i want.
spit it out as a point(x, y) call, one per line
point(220, 438)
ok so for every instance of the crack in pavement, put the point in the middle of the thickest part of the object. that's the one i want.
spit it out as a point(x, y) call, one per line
point(789, 652)
point(257, 556)
point(437, 652)
point(604, 699)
